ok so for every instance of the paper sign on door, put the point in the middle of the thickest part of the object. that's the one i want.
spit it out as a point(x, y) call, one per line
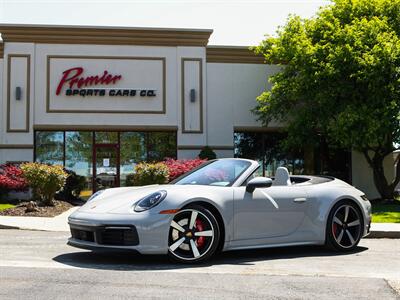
point(106, 162)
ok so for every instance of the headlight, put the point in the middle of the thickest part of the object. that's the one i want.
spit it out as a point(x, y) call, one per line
point(150, 201)
point(95, 195)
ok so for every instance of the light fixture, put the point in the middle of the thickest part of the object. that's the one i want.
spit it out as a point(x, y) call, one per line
point(18, 93)
point(192, 95)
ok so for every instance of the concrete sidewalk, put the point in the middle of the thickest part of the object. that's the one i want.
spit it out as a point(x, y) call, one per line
point(385, 230)
point(58, 223)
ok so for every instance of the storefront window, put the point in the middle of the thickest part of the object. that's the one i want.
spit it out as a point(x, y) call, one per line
point(116, 153)
point(50, 147)
point(133, 151)
point(265, 147)
point(161, 145)
point(79, 156)
point(106, 137)
point(332, 161)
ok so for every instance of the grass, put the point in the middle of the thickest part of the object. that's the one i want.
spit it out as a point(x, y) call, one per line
point(5, 206)
point(386, 213)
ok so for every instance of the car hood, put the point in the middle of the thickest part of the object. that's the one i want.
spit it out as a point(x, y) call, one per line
point(122, 200)
point(114, 199)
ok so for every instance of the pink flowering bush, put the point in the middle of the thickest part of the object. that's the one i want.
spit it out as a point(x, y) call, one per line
point(178, 167)
point(11, 179)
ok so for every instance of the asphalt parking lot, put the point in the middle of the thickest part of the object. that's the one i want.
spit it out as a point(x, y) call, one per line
point(39, 265)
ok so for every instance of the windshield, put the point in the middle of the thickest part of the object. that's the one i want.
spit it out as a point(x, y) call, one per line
point(219, 173)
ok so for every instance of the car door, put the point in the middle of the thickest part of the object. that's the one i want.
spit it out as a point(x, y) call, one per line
point(268, 212)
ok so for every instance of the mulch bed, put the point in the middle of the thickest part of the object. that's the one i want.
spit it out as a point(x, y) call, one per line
point(43, 211)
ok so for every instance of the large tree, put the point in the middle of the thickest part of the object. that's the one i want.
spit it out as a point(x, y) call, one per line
point(340, 80)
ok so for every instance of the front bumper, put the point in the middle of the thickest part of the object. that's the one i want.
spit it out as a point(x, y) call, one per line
point(143, 232)
point(367, 218)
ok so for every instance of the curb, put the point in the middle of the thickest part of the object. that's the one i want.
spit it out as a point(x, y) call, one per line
point(51, 224)
point(384, 234)
point(8, 227)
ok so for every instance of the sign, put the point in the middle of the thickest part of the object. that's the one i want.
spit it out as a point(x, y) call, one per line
point(105, 84)
point(71, 78)
point(106, 162)
point(76, 85)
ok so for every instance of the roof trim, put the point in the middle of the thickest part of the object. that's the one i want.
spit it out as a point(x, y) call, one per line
point(55, 34)
point(233, 54)
point(69, 127)
point(16, 146)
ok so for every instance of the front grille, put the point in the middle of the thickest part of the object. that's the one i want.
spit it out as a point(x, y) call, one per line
point(106, 235)
point(82, 235)
point(119, 236)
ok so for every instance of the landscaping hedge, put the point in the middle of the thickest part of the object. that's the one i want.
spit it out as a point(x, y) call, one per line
point(161, 172)
point(150, 173)
point(11, 179)
point(44, 180)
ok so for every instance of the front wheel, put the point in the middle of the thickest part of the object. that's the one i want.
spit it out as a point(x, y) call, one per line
point(344, 228)
point(194, 235)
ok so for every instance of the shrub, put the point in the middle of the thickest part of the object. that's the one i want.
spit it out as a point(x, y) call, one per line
point(130, 179)
point(44, 180)
point(73, 186)
point(150, 173)
point(207, 153)
point(178, 167)
point(11, 179)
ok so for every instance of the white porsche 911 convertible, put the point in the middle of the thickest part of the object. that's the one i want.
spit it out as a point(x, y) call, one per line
point(222, 205)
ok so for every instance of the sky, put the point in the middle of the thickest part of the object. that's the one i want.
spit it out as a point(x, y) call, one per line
point(235, 22)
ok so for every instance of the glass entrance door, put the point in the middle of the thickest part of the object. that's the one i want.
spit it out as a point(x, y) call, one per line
point(105, 167)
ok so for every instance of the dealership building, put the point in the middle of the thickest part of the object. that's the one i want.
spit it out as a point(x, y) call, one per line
point(100, 99)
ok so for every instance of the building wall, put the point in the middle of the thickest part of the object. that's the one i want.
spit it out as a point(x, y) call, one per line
point(17, 112)
point(232, 92)
point(16, 155)
point(225, 93)
point(2, 122)
point(193, 74)
point(363, 177)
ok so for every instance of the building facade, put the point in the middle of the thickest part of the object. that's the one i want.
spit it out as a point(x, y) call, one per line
point(100, 99)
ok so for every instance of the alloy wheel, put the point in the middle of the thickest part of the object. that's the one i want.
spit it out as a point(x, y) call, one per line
point(191, 235)
point(346, 226)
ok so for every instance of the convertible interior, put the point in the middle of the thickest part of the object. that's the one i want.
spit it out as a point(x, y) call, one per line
point(283, 178)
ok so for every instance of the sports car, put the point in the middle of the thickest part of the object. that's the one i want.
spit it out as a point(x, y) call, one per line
point(222, 205)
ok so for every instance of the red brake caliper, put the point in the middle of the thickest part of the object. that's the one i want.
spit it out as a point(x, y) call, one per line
point(201, 239)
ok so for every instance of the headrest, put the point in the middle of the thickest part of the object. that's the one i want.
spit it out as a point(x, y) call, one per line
point(282, 177)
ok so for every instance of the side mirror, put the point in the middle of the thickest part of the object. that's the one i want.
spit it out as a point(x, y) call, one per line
point(258, 182)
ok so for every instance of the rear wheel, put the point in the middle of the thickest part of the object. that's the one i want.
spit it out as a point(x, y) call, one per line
point(194, 235)
point(344, 228)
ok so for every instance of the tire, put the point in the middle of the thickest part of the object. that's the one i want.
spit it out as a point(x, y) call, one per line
point(344, 228)
point(194, 235)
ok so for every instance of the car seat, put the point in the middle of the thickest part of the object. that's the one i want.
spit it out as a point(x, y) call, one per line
point(282, 177)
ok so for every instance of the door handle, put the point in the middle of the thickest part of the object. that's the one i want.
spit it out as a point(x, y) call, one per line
point(300, 200)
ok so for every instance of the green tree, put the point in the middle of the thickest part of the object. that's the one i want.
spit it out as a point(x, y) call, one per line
point(340, 80)
point(207, 153)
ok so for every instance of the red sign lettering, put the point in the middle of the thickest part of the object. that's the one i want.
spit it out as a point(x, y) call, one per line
point(71, 77)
